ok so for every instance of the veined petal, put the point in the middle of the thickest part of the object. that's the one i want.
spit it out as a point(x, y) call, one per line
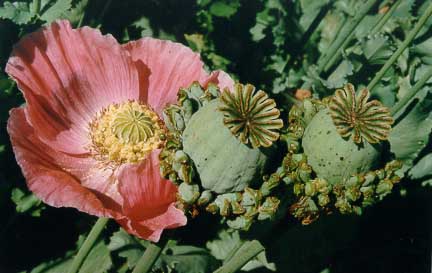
point(47, 175)
point(220, 78)
point(148, 200)
point(68, 75)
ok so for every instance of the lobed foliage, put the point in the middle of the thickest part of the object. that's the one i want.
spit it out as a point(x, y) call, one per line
point(281, 47)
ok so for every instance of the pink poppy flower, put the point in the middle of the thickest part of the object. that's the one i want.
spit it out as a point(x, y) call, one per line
point(90, 132)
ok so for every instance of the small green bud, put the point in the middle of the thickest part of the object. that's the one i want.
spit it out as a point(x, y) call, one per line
point(292, 142)
point(251, 197)
point(352, 194)
point(369, 178)
point(268, 208)
point(298, 188)
point(384, 187)
point(182, 165)
point(205, 198)
point(295, 114)
point(237, 208)
point(296, 130)
point(343, 205)
point(288, 163)
point(173, 177)
point(322, 185)
point(173, 118)
point(309, 189)
point(323, 200)
point(380, 173)
point(212, 208)
point(188, 193)
point(225, 210)
point(240, 222)
point(310, 110)
point(305, 209)
point(304, 172)
point(270, 183)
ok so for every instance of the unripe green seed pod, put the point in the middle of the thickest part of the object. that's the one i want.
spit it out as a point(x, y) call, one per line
point(188, 193)
point(331, 156)
point(223, 163)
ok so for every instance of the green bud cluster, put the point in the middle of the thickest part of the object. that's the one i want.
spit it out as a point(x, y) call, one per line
point(316, 195)
point(239, 207)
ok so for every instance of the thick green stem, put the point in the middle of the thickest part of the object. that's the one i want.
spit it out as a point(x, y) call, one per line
point(375, 29)
point(88, 244)
point(344, 35)
point(411, 93)
point(37, 5)
point(402, 47)
point(381, 22)
point(245, 253)
point(148, 259)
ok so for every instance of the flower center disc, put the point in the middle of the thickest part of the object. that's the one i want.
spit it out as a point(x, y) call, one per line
point(126, 133)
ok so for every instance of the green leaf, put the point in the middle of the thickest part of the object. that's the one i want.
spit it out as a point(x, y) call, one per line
point(310, 9)
point(427, 183)
point(224, 8)
point(218, 61)
point(384, 92)
point(188, 259)
point(422, 168)
point(365, 26)
point(225, 245)
point(18, 12)
point(420, 71)
point(411, 134)
point(377, 49)
point(339, 77)
point(127, 247)
point(75, 14)
point(57, 10)
point(330, 23)
point(144, 25)
point(98, 260)
point(196, 42)
point(257, 32)
point(259, 261)
point(228, 243)
point(55, 266)
point(404, 86)
point(26, 202)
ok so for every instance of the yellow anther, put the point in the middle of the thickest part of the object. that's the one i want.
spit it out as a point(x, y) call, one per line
point(126, 133)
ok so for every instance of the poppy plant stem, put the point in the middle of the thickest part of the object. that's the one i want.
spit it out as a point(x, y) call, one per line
point(244, 254)
point(147, 260)
point(413, 33)
point(88, 244)
point(37, 5)
point(345, 34)
point(381, 22)
point(411, 93)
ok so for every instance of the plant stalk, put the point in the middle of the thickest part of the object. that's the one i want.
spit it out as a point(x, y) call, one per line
point(411, 93)
point(376, 28)
point(147, 260)
point(402, 47)
point(37, 6)
point(88, 244)
point(245, 253)
point(381, 22)
point(345, 34)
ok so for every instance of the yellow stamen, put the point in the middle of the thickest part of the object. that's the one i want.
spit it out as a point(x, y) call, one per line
point(126, 133)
